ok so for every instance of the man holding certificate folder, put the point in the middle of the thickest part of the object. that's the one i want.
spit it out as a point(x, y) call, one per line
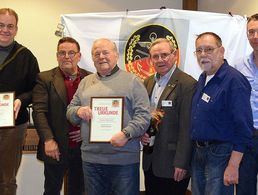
point(18, 70)
point(103, 102)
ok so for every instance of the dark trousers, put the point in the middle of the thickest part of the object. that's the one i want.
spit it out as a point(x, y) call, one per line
point(54, 174)
point(11, 141)
point(247, 184)
point(157, 185)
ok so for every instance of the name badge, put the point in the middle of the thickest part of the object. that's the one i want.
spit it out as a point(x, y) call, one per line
point(166, 103)
point(205, 97)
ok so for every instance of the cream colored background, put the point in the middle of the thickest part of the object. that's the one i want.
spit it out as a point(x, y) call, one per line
point(37, 23)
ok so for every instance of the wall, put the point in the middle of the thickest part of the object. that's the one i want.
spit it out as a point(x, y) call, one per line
point(239, 7)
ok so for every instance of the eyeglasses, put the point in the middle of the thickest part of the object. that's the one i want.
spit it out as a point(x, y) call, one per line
point(62, 54)
point(207, 50)
point(8, 26)
point(251, 33)
point(162, 56)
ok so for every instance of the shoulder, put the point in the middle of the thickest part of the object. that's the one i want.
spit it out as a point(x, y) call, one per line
point(84, 72)
point(22, 49)
point(236, 78)
point(184, 78)
point(243, 62)
point(149, 79)
point(88, 78)
point(48, 74)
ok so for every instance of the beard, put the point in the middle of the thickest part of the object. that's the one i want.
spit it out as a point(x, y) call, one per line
point(205, 65)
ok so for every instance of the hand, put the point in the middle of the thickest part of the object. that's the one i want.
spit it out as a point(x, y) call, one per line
point(179, 174)
point(145, 139)
point(118, 139)
point(84, 113)
point(231, 175)
point(52, 150)
point(75, 136)
point(16, 107)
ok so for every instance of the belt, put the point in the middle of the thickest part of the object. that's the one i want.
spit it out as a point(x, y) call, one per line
point(200, 144)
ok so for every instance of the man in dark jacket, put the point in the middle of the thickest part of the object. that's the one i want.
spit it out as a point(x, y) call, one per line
point(18, 70)
point(166, 169)
point(59, 145)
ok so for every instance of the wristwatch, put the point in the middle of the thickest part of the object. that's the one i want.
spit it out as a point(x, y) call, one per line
point(127, 134)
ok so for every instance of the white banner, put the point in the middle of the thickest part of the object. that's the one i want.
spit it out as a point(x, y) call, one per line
point(133, 31)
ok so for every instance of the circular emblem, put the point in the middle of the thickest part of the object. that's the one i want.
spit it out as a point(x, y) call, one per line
point(137, 47)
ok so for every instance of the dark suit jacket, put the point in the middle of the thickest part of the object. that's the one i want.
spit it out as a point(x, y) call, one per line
point(172, 147)
point(49, 100)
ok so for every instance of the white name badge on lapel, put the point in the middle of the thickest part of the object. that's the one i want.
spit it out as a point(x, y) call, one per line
point(205, 97)
point(166, 103)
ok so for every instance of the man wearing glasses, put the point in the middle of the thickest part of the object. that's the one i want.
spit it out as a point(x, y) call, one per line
point(248, 66)
point(18, 71)
point(222, 123)
point(170, 90)
point(59, 145)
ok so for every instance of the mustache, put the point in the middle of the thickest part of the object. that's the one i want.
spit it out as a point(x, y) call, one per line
point(204, 60)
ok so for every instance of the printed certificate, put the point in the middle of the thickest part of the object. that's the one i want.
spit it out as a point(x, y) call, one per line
point(6, 109)
point(107, 118)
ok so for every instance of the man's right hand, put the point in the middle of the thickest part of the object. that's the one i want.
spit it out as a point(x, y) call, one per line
point(84, 112)
point(52, 150)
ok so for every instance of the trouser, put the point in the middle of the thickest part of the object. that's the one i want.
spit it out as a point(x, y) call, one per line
point(103, 179)
point(248, 170)
point(208, 165)
point(11, 142)
point(166, 186)
point(54, 174)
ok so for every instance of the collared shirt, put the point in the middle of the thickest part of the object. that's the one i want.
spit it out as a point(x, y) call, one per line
point(248, 68)
point(71, 85)
point(159, 87)
point(221, 110)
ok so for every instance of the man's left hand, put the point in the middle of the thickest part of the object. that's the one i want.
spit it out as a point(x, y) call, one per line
point(231, 175)
point(119, 139)
point(16, 106)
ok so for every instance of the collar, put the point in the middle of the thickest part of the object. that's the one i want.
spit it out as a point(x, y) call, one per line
point(250, 61)
point(70, 77)
point(220, 73)
point(7, 48)
point(113, 71)
point(157, 76)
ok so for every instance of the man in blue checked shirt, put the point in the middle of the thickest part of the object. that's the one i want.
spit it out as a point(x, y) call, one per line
point(248, 66)
point(222, 122)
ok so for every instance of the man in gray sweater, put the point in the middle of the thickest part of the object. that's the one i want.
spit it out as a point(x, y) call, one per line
point(111, 167)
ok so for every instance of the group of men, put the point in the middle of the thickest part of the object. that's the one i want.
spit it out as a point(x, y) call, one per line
point(209, 130)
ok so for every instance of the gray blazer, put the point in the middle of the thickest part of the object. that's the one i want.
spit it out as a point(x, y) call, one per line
point(172, 147)
point(49, 99)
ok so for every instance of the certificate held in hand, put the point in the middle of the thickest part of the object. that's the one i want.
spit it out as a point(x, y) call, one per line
point(6, 109)
point(107, 118)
